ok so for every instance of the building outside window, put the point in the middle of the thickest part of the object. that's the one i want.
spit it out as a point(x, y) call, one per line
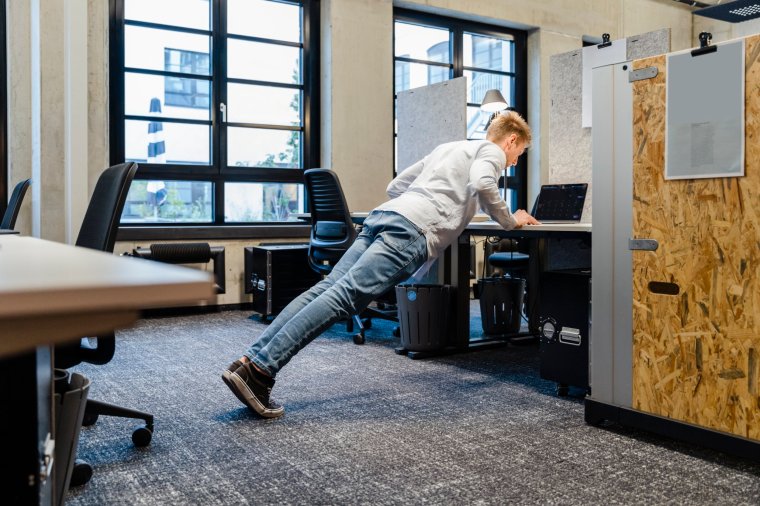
point(430, 49)
point(212, 99)
point(186, 92)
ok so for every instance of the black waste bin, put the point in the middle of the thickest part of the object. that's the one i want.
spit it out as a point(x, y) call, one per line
point(501, 301)
point(426, 316)
point(70, 400)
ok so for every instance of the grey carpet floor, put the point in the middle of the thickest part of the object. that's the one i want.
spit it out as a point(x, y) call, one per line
point(366, 426)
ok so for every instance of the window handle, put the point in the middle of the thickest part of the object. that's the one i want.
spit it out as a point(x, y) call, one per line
point(223, 110)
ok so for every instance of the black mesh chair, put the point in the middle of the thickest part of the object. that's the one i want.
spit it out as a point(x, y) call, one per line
point(332, 233)
point(98, 231)
point(14, 204)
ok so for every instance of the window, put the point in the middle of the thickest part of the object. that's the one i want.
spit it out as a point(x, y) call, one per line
point(429, 49)
point(212, 98)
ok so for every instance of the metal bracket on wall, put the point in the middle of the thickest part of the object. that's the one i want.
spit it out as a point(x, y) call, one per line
point(643, 244)
point(641, 74)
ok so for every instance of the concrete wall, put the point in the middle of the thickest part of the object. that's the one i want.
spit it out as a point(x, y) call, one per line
point(357, 86)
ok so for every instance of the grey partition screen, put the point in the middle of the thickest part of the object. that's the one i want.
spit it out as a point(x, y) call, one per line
point(429, 116)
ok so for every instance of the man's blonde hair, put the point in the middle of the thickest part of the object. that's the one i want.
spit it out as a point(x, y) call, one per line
point(507, 123)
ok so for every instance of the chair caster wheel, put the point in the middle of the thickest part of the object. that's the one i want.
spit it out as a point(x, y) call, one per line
point(562, 390)
point(397, 332)
point(142, 436)
point(81, 473)
point(89, 419)
point(359, 338)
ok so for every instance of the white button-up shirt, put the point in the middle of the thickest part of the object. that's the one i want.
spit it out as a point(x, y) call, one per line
point(441, 193)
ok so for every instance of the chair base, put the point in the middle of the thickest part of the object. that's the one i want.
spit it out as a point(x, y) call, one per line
point(141, 436)
point(364, 321)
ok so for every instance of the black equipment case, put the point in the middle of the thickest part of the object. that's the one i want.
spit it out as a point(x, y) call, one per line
point(565, 327)
point(276, 274)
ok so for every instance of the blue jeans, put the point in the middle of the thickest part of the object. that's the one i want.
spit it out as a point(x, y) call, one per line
point(388, 250)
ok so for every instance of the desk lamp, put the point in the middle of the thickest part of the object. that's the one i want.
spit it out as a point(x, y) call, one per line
point(493, 102)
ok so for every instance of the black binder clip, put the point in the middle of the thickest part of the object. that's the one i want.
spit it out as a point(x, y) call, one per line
point(704, 45)
point(605, 41)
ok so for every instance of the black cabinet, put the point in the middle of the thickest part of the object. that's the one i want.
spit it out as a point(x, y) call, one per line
point(276, 274)
point(565, 308)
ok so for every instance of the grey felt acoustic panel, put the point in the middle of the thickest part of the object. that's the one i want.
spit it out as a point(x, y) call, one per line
point(429, 116)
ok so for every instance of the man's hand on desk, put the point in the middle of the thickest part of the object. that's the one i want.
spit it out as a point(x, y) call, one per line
point(523, 218)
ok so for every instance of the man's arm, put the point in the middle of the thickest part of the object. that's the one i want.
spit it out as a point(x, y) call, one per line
point(405, 178)
point(484, 180)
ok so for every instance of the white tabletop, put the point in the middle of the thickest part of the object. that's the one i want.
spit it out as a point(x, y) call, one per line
point(488, 226)
point(51, 291)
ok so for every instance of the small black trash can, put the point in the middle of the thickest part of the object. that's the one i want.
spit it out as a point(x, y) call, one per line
point(501, 301)
point(426, 316)
point(70, 400)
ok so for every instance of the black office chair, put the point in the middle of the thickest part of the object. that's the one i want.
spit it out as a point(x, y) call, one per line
point(332, 233)
point(14, 204)
point(98, 231)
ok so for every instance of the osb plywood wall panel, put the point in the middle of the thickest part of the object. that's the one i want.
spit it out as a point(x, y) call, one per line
point(696, 355)
point(570, 143)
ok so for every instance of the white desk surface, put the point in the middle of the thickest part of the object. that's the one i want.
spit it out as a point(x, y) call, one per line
point(52, 292)
point(307, 216)
point(482, 222)
point(488, 226)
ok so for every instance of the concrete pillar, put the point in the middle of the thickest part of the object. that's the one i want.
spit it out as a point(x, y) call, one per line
point(357, 97)
point(48, 112)
point(75, 114)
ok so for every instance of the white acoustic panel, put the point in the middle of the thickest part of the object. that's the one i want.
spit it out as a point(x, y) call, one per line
point(429, 116)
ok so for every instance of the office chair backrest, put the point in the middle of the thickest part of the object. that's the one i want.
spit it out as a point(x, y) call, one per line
point(99, 228)
point(332, 231)
point(101, 221)
point(14, 204)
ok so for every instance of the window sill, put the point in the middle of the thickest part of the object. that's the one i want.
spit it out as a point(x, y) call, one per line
point(213, 232)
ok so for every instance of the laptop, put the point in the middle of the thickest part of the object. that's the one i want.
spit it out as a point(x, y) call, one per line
point(560, 203)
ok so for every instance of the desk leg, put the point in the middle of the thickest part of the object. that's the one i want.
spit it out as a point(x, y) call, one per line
point(534, 278)
point(460, 277)
point(26, 399)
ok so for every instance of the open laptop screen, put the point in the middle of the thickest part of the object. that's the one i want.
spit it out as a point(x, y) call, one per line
point(560, 203)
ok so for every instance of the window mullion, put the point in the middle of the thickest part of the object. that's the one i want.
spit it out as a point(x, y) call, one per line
point(457, 51)
point(219, 139)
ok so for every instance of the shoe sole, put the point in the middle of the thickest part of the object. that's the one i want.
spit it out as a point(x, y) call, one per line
point(246, 396)
point(226, 378)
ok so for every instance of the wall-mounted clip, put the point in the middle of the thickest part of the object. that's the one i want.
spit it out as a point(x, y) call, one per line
point(605, 41)
point(704, 45)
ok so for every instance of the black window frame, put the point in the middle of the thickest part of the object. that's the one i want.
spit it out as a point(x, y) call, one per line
point(217, 172)
point(457, 28)
point(3, 109)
